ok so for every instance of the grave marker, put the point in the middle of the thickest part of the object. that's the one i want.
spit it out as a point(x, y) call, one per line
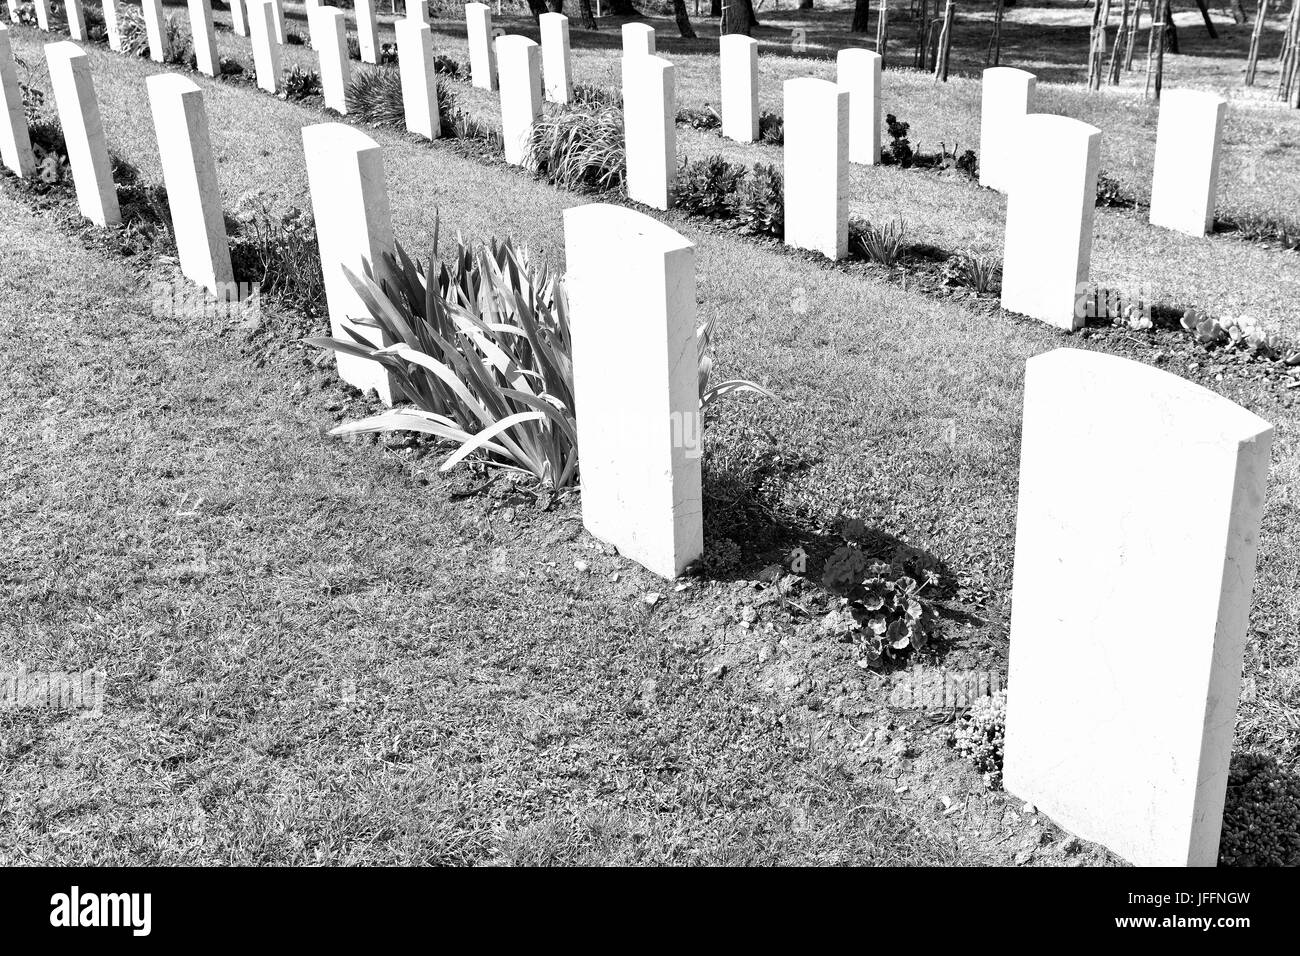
point(817, 166)
point(1049, 219)
point(367, 31)
point(1129, 608)
point(519, 66)
point(278, 7)
point(650, 129)
point(738, 62)
point(155, 24)
point(76, 19)
point(1006, 97)
point(239, 17)
point(43, 15)
point(482, 58)
point(345, 174)
point(266, 51)
point(329, 35)
point(203, 36)
point(555, 57)
point(631, 289)
point(858, 71)
point(190, 174)
point(83, 132)
point(110, 24)
point(1186, 175)
point(638, 38)
point(419, 80)
point(15, 144)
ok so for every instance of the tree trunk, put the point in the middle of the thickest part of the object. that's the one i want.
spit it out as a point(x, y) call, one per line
point(1252, 58)
point(585, 16)
point(555, 6)
point(537, 8)
point(738, 17)
point(1170, 35)
point(994, 55)
point(805, 4)
point(861, 14)
point(623, 8)
point(715, 8)
point(683, 20)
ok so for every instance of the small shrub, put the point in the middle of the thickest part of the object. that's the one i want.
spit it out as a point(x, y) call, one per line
point(1111, 193)
point(759, 207)
point(278, 251)
point(446, 66)
point(1261, 815)
point(135, 37)
point(579, 147)
point(584, 94)
point(708, 187)
point(981, 735)
point(981, 274)
point(771, 128)
point(702, 119)
point(375, 96)
point(882, 609)
point(51, 152)
point(293, 38)
point(483, 355)
point(884, 245)
point(300, 84)
point(1255, 227)
point(899, 150)
point(228, 66)
point(1237, 333)
point(387, 54)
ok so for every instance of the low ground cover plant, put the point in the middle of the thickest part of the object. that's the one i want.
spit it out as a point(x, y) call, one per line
point(900, 152)
point(981, 274)
point(579, 147)
point(275, 247)
point(981, 735)
point(881, 244)
point(482, 353)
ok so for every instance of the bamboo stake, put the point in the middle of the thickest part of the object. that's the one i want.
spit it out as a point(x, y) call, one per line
point(1252, 58)
point(1115, 63)
point(994, 53)
point(945, 44)
point(1133, 32)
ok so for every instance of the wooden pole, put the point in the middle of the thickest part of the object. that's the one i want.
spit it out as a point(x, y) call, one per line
point(945, 41)
point(1160, 48)
point(1115, 62)
point(882, 31)
point(994, 54)
point(1252, 58)
point(1133, 32)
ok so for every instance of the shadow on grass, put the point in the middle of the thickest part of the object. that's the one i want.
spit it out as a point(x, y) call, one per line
point(1261, 814)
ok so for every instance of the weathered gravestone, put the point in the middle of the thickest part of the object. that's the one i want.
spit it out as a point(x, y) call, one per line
point(738, 63)
point(650, 129)
point(556, 70)
point(482, 59)
point(638, 38)
point(329, 34)
point(349, 198)
point(631, 290)
point(76, 19)
point(519, 74)
point(419, 80)
point(266, 50)
point(83, 132)
point(817, 166)
point(1129, 605)
point(858, 71)
point(15, 143)
point(190, 175)
point(43, 15)
point(203, 37)
point(1186, 175)
point(1049, 220)
point(113, 30)
point(1006, 97)
point(239, 17)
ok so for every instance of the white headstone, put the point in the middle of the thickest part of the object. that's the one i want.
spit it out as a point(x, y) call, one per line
point(110, 24)
point(329, 34)
point(482, 58)
point(43, 14)
point(13, 10)
point(817, 166)
point(1049, 219)
point(203, 36)
point(313, 6)
point(345, 174)
point(650, 129)
point(1006, 97)
point(266, 51)
point(278, 6)
point(155, 29)
point(417, 10)
point(15, 144)
point(1186, 177)
point(419, 79)
point(1129, 606)
point(631, 291)
point(83, 131)
point(239, 17)
point(638, 38)
point(76, 19)
point(738, 61)
point(367, 31)
point(519, 73)
point(555, 57)
point(858, 71)
point(190, 174)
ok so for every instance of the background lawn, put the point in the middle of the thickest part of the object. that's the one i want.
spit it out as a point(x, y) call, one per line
point(321, 651)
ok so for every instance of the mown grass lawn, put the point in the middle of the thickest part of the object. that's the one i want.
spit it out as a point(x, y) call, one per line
point(326, 652)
